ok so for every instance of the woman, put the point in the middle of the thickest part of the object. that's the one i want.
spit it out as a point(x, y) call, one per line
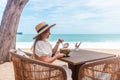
point(43, 50)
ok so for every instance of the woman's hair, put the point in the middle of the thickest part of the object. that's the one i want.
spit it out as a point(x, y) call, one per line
point(39, 37)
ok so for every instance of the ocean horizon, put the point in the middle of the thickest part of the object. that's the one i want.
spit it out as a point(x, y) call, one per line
point(104, 41)
point(73, 37)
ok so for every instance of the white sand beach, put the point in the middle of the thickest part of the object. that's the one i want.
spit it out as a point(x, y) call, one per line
point(96, 45)
point(7, 71)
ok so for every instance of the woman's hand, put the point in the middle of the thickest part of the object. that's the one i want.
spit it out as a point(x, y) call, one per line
point(60, 41)
point(60, 55)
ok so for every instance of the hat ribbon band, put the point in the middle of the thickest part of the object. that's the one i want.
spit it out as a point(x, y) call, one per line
point(42, 28)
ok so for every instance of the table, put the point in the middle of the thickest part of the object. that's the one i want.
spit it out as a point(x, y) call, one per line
point(81, 56)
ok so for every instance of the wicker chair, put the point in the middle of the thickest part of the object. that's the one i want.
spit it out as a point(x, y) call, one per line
point(106, 69)
point(26, 68)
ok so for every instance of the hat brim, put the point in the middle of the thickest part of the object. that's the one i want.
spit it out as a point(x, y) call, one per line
point(44, 30)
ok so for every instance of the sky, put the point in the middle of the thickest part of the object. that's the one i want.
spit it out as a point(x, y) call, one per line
point(71, 17)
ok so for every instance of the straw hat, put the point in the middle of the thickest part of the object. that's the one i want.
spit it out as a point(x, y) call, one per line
point(40, 28)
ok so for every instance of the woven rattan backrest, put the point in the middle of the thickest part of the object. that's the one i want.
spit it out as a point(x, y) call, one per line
point(29, 69)
point(106, 69)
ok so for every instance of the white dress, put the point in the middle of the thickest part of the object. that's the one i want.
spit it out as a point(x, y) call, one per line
point(44, 48)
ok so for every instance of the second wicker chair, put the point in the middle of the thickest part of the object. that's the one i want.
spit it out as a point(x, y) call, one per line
point(106, 69)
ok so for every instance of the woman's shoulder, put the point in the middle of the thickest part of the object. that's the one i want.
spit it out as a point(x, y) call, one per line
point(43, 42)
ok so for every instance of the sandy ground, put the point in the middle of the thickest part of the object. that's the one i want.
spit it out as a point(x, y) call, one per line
point(7, 72)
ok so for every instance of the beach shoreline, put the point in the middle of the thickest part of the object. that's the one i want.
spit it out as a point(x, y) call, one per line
point(96, 45)
point(7, 72)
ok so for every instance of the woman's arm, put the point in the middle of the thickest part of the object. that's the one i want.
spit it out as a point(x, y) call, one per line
point(54, 50)
point(51, 59)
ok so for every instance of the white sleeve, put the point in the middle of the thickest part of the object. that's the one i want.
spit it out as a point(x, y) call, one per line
point(41, 49)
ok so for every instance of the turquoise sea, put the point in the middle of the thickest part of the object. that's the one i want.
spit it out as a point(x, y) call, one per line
point(73, 37)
